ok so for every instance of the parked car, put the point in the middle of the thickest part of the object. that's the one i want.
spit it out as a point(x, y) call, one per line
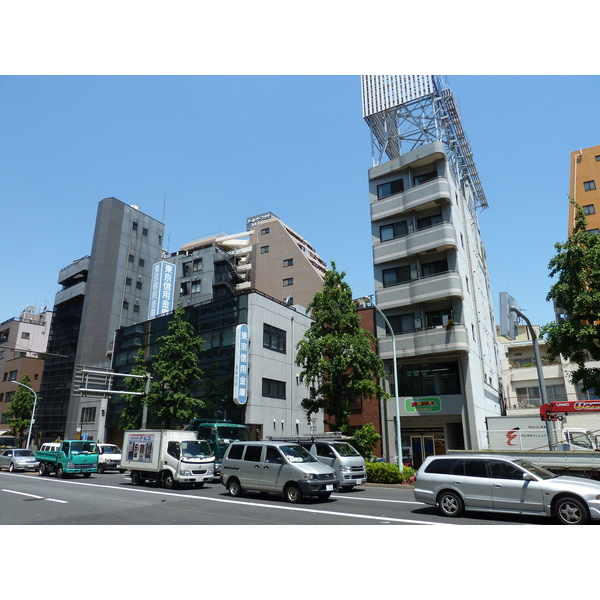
point(457, 483)
point(18, 460)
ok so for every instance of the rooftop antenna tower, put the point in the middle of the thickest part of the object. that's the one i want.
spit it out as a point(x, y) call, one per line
point(405, 112)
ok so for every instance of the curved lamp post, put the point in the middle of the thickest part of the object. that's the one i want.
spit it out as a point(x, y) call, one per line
point(395, 361)
point(32, 412)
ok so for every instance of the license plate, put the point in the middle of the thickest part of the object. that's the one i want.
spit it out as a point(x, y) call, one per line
point(329, 487)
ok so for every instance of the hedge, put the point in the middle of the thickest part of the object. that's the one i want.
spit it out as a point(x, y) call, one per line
point(380, 472)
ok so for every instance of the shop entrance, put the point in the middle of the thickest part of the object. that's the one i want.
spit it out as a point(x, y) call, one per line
point(422, 446)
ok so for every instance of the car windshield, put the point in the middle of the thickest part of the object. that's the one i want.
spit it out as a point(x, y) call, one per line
point(24, 453)
point(345, 449)
point(534, 469)
point(297, 454)
point(110, 449)
point(84, 447)
point(196, 449)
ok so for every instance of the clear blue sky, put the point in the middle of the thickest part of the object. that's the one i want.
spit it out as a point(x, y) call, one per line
point(223, 148)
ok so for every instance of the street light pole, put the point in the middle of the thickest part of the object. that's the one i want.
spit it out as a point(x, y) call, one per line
point(32, 412)
point(395, 362)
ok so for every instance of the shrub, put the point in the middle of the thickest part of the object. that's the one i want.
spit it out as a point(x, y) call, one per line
point(380, 472)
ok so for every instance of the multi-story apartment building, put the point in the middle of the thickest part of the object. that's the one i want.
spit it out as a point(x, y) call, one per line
point(430, 267)
point(23, 343)
point(585, 186)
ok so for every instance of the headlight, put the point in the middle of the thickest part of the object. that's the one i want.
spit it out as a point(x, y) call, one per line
point(346, 469)
point(309, 476)
point(185, 472)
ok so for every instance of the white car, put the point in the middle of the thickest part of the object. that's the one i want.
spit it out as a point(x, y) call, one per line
point(16, 459)
point(487, 483)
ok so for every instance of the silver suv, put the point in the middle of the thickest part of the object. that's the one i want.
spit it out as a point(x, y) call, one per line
point(455, 483)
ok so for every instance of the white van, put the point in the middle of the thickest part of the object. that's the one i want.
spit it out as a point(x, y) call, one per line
point(110, 458)
point(277, 467)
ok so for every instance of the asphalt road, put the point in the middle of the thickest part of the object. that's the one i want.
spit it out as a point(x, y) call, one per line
point(110, 499)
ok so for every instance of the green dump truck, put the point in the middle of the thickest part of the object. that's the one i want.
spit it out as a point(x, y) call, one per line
point(69, 457)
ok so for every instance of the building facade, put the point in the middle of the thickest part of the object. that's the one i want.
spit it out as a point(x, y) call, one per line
point(23, 343)
point(430, 267)
point(585, 186)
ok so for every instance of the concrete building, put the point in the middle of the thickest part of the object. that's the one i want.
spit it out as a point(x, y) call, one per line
point(585, 186)
point(100, 293)
point(430, 267)
point(23, 343)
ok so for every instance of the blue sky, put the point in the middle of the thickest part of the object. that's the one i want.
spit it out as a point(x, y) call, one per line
point(209, 151)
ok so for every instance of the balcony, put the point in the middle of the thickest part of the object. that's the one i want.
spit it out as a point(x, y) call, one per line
point(436, 238)
point(424, 289)
point(431, 193)
point(70, 292)
point(425, 342)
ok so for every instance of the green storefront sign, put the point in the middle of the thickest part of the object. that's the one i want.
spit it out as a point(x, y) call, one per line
point(419, 405)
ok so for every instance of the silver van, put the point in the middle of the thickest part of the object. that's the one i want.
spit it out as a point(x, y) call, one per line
point(277, 467)
point(343, 457)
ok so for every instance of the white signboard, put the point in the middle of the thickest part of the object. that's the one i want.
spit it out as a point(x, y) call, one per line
point(240, 367)
point(161, 292)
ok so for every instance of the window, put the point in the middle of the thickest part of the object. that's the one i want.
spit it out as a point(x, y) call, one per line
point(264, 231)
point(287, 282)
point(435, 318)
point(588, 186)
point(136, 308)
point(424, 222)
point(134, 225)
point(25, 335)
point(264, 249)
point(144, 231)
point(396, 276)
point(589, 210)
point(273, 389)
point(429, 379)
point(88, 414)
point(131, 258)
point(141, 262)
point(138, 285)
point(274, 338)
point(402, 323)
point(12, 376)
point(235, 451)
point(127, 280)
point(598, 158)
point(393, 230)
point(196, 286)
point(288, 262)
point(389, 189)
point(253, 453)
point(505, 470)
point(125, 304)
point(419, 179)
point(434, 268)
point(197, 265)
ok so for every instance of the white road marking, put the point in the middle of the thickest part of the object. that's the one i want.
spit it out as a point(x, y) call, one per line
point(34, 496)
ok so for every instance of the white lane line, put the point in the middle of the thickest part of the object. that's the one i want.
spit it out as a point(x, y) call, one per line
point(34, 496)
point(376, 499)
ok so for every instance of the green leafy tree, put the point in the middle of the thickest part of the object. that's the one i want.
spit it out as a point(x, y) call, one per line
point(19, 410)
point(366, 438)
point(131, 415)
point(175, 371)
point(336, 353)
point(577, 293)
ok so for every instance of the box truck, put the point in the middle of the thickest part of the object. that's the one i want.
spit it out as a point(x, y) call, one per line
point(167, 457)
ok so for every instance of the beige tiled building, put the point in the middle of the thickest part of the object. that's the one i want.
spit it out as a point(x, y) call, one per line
point(585, 186)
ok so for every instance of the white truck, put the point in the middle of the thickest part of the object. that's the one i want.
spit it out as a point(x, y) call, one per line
point(167, 457)
point(109, 458)
point(528, 432)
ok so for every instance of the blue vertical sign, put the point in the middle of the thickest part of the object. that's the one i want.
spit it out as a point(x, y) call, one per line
point(240, 367)
point(161, 291)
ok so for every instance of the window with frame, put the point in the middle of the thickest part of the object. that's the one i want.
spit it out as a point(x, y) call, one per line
point(274, 338)
point(434, 268)
point(435, 318)
point(288, 262)
point(272, 388)
point(588, 186)
point(390, 188)
point(426, 379)
point(396, 275)
point(197, 265)
point(393, 230)
point(88, 414)
point(589, 209)
point(402, 323)
point(419, 179)
point(264, 231)
point(288, 281)
point(429, 221)
point(264, 249)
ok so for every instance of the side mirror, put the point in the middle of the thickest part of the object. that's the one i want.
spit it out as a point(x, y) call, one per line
point(528, 477)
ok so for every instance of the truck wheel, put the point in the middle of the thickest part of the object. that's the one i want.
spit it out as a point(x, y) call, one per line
point(42, 469)
point(135, 478)
point(292, 493)
point(100, 468)
point(168, 480)
point(233, 487)
point(60, 472)
point(451, 504)
point(571, 511)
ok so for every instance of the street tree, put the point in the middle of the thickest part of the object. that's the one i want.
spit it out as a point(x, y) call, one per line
point(19, 410)
point(577, 293)
point(175, 373)
point(336, 354)
point(131, 415)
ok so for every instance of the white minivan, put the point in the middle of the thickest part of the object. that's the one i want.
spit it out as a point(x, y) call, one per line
point(276, 467)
